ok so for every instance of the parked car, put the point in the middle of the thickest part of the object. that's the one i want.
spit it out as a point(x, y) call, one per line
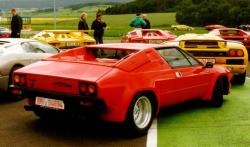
point(210, 48)
point(65, 39)
point(129, 83)
point(148, 36)
point(16, 53)
point(181, 27)
point(245, 27)
point(4, 32)
point(233, 34)
point(214, 26)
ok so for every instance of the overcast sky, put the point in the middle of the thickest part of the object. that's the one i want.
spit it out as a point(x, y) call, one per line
point(7, 4)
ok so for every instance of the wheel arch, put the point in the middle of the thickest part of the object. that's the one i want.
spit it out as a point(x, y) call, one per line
point(226, 87)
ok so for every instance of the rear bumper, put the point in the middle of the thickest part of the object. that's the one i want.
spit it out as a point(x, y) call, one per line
point(74, 104)
point(4, 81)
point(235, 69)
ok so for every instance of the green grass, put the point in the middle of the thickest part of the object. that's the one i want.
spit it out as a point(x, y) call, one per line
point(194, 126)
point(119, 24)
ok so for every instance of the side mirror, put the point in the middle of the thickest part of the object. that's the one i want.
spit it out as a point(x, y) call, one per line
point(209, 65)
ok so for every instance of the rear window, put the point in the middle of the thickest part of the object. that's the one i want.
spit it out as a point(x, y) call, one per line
point(229, 32)
point(109, 56)
point(108, 53)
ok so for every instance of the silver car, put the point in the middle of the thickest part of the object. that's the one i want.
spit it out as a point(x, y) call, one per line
point(16, 53)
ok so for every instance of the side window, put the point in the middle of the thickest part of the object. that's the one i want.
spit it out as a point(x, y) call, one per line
point(174, 57)
point(27, 47)
point(42, 47)
point(191, 59)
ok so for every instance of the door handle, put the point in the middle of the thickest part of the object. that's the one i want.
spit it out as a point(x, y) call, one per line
point(178, 74)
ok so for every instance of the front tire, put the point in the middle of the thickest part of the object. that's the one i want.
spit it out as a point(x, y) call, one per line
point(217, 97)
point(140, 115)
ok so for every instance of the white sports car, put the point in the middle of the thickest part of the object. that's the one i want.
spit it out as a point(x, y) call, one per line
point(16, 53)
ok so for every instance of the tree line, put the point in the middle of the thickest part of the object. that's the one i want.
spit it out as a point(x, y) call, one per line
point(230, 13)
point(146, 6)
point(192, 12)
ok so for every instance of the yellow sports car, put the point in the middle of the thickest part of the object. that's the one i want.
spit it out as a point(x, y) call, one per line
point(65, 39)
point(181, 27)
point(210, 48)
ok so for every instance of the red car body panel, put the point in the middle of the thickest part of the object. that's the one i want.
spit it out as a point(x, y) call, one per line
point(148, 36)
point(4, 32)
point(236, 35)
point(215, 26)
point(119, 81)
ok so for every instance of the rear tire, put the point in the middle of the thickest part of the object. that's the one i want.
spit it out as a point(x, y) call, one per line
point(239, 79)
point(140, 115)
point(217, 97)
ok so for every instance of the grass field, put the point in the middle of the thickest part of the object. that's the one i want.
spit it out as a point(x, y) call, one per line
point(119, 24)
point(194, 125)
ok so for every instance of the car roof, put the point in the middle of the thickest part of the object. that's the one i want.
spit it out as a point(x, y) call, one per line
point(198, 37)
point(15, 40)
point(127, 46)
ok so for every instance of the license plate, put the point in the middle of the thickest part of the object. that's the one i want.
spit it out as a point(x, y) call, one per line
point(205, 60)
point(72, 44)
point(50, 103)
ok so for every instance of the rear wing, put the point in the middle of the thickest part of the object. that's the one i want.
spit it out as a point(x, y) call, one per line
point(203, 44)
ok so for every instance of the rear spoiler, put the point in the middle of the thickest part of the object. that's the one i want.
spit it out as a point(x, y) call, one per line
point(203, 43)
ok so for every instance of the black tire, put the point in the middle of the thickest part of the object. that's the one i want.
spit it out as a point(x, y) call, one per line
point(217, 97)
point(239, 79)
point(136, 129)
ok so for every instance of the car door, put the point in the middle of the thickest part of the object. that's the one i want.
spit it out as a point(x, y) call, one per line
point(191, 79)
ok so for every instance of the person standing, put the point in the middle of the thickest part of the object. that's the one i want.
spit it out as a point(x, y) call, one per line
point(98, 26)
point(83, 25)
point(138, 22)
point(16, 24)
point(145, 18)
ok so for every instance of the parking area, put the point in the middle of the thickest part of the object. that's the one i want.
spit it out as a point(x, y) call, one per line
point(190, 124)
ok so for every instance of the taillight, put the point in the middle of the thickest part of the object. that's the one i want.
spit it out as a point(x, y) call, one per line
point(87, 89)
point(240, 53)
point(83, 88)
point(20, 79)
point(91, 89)
point(236, 53)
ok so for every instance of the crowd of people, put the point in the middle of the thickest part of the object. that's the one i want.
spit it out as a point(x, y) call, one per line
point(98, 25)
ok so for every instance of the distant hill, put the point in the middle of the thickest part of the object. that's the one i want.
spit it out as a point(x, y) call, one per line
point(8, 4)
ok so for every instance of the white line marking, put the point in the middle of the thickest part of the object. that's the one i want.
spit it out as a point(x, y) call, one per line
point(248, 77)
point(152, 135)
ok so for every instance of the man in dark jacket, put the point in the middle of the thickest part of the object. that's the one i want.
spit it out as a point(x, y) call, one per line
point(98, 26)
point(83, 25)
point(16, 24)
point(145, 18)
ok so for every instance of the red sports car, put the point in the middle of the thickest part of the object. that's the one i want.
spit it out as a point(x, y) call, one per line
point(234, 34)
point(212, 27)
point(148, 36)
point(120, 82)
point(4, 32)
